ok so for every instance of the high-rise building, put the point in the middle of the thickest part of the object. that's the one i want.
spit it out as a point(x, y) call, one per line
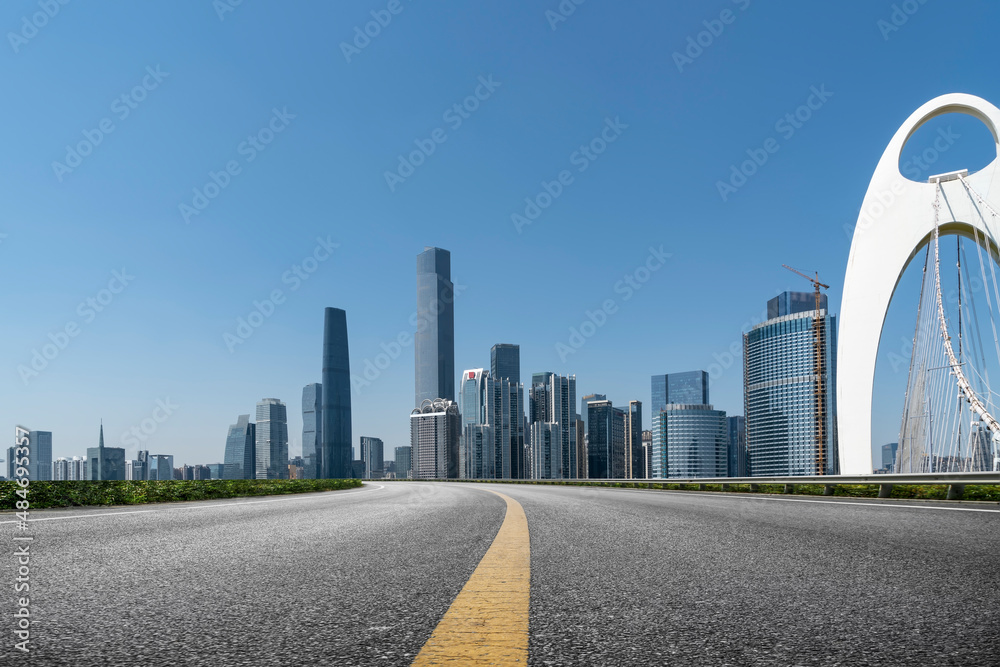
point(493, 435)
point(161, 467)
point(783, 398)
point(583, 407)
point(241, 450)
point(546, 451)
point(889, 457)
point(272, 439)
point(690, 441)
point(791, 303)
point(647, 451)
point(216, 470)
point(312, 430)
point(434, 341)
point(337, 455)
point(505, 362)
point(11, 464)
point(435, 428)
point(40, 455)
point(605, 441)
point(552, 399)
point(581, 450)
point(687, 388)
point(738, 447)
point(403, 461)
point(134, 469)
point(105, 463)
point(475, 446)
point(372, 453)
point(635, 459)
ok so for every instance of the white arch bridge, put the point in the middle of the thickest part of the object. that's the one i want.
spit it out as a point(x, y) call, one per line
point(950, 224)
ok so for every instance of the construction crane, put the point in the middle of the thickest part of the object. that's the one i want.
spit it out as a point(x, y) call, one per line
point(819, 393)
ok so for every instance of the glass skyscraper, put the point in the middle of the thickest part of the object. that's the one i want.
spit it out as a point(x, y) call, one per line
point(336, 457)
point(492, 427)
point(105, 463)
point(605, 441)
point(40, 461)
point(790, 303)
point(434, 434)
point(272, 439)
point(552, 399)
point(780, 393)
point(312, 429)
point(403, 461)
point(240, 460)
point(434, 341)
point(372, 453)
point(690, 441)
point(161, 467)
point(738, 447)
point(635, 457)
point(688, 388)
point(505, 362)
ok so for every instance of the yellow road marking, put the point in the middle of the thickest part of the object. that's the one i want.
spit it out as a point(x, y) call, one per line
point(487, 624)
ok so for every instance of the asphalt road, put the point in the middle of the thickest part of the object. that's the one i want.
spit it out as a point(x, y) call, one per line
point(618, 577)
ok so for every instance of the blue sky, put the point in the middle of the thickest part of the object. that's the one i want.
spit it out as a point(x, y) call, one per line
point(300, 131)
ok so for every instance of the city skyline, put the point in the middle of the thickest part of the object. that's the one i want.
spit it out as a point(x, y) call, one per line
point(136, 276)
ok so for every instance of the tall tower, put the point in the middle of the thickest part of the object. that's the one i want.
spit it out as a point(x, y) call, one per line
point(272, 439)
point(552, 399)
point(312, 429)
point(434, 342)
point(505, 362)
point(240, 460)
point(337, 451)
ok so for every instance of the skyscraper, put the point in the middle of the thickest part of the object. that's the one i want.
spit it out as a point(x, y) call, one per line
point(552, 399)
point(336, 436)
point(635, 459)
point(738, 447)
point(272, 439)
point(605, 441)
point(505, 362)
point(434, 341)
point(434, 434)
point(161, 467)
point(372, 453)
point(105, 463)
point(889, 458)
point(582, 471)
point(689, 388)
point(40, 458)
point(790, 303)
point(780, 393)
point(492, 411)
point(690, 441)
point(403, 461)
point(240, 460)
point(312, 429)
point(475, 447)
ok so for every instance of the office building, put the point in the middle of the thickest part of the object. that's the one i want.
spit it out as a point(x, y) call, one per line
point(312, 429)
point(505, 362)
point(372, 455)
point(216, 470)
point(337, 453)
point(40, 456)
point(272, 439)
point(435, 429)
point(690, 388)
point(161, 467)
point(581, 451)
point(889, 457)
point(493, 437)
point(403, 461)
point(635, 460)
point(68, 470)
point(11, 464)
point(546, 451)
point(552, 399)
point(583, 407)
point(738, 467)
point(476, 442)
point(647, 452)
point(434, 341)
point(790, 417)
point(792, 303)
point(240, 460)
point(605, 441)
point(135, 470)
point(105, 463)
point(690, 441)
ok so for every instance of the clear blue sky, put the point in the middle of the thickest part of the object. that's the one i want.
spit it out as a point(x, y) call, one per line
point(342, 127)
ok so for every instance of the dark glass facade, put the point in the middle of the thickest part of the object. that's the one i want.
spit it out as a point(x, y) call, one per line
point(372, 453)
point(790, 303)
point(337, 454)
point(40, 461)
point(272, 439)
point(312, 429)
point(690, 388)
point(605, 441)
point(738, 447)
point(505, 362)
point(240, 461)
point(434, 341)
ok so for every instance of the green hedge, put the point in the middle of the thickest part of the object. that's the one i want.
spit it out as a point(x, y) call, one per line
point(69, 494)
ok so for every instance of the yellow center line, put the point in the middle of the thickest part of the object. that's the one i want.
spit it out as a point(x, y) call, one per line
point(487, 624)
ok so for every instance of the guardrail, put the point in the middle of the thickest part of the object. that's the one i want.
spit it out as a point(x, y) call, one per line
point(955, 481)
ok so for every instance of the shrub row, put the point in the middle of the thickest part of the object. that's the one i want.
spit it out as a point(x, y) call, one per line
point(69, 494)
